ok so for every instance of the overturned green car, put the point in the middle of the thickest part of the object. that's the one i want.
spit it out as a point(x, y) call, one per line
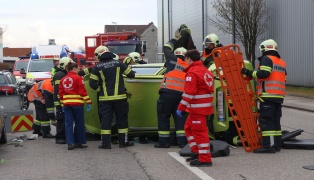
point(142, 104)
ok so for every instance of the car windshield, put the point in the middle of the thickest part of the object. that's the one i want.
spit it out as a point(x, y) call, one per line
point(146, 70)
point(20, 65)
point(41, 65)
point(11, 78)
point(122, 49)
point(2, 79)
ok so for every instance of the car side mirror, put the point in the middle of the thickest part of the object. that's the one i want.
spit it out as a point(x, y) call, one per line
point(10, 69)
point(22, 71)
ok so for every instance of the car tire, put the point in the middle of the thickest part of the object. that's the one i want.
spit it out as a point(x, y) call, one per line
point(3, 139)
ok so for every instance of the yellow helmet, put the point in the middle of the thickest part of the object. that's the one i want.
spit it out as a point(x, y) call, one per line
point(211, 38)
point(127, 60)
point(135, 56)
point(99, 51)
point(63, 62)
point(116, 56)
point(180, 51)
point(268, 45)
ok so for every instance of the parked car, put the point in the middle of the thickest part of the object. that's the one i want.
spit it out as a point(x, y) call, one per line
point(8, 83)
point(3, 135)
point(18, 66)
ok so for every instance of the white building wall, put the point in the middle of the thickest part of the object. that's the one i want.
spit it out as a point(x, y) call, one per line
point(291, 26)
point(1, 46)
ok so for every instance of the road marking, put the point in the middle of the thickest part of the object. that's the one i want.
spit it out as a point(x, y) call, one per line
point(195, 170)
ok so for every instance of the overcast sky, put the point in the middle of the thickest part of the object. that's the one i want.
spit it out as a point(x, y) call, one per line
point(32, 22)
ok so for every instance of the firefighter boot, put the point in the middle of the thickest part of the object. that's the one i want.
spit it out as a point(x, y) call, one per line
point(105, 141)
point(48, 135)
point(128, 143)
point(123, 140)
point(265, 150)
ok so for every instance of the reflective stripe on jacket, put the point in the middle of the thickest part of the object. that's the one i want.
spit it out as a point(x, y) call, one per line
point(175, 79)
point(35, 94)
point(198, 90)
point(274, 86)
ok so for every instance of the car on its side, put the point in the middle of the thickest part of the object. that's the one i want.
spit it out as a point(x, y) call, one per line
point(8, 83)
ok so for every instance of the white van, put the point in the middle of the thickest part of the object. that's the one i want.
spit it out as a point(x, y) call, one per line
point(41, 62)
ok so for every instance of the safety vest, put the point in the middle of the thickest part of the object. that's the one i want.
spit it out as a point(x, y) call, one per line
point(175, 79)
point(35, 94)
point(274, 86)
point(46, 85)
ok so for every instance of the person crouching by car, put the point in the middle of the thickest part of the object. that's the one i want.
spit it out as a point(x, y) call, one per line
point(72, 96)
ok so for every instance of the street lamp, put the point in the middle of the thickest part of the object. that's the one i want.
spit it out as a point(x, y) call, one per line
point(115, 23)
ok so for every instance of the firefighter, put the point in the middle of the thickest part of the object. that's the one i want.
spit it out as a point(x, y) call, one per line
point(170, 92)
point(72, 96)
point(210, 42)
point(271, 80)
point(134, 58)
point(171, 58)
point(60, 73)
point(197, 100)
point(41, 94)
point(107, 78)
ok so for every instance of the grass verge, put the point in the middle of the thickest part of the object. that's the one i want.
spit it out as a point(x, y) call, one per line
point(300, 91)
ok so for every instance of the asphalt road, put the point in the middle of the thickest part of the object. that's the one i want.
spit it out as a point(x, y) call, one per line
point(43, 159)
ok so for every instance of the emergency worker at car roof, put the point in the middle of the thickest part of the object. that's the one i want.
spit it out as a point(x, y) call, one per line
point(197, 100)
point(133, 58)
point(41, 94)
point(271, 77)
point(171, 90)
point(107, 79)
point(210, 42)
point(60, 73)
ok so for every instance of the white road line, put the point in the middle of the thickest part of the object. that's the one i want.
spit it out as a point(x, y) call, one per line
point(195, 170)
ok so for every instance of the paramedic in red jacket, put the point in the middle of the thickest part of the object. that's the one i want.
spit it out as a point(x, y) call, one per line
point(72, 96)
point(197, 100)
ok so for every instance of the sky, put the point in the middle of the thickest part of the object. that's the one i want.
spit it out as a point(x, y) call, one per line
point(33, 22)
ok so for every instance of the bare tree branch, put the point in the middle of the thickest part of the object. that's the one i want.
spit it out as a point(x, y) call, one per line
point(250, 21)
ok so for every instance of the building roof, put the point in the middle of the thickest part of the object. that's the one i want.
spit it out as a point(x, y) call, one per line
point(16, 52)
point(139, 29)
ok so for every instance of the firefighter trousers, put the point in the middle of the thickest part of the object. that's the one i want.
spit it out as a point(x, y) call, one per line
point(167, 105)
point(60, 128)
point(197, 135)
point(42, 121)
point(106, 110)
point(270, 114)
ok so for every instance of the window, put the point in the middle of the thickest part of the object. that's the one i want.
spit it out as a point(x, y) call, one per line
point(41, 65)
point(146, 71)
point(20, 65)
point(2, 79)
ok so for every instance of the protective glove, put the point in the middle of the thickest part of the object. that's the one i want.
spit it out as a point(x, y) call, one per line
point(88, 107)
point(177, 34)
point(179, 113)
point(247, 72)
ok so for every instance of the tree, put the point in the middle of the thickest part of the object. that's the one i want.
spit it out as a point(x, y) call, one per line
point(250, 17)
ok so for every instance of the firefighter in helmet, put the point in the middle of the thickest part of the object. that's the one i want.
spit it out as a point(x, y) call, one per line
point(111, 95)
point(271, 77)
point(210, 42)
point(134, 58)
point(171, 90)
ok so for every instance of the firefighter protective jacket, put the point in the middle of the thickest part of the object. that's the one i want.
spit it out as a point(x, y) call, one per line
point(275, 84)
point(43, 91)
point(60, 73)
point(85, 71)
point(72, 91)
point(173, 81)
point(198, 90)
point(107, 79)
point(171, 59)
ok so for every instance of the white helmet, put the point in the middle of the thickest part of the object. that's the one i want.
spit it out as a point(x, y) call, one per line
point(63, 62)
point(116, 56)
point(99, 51)
point(135, 56)
point(180, 51)
point(211, 38)
point(268, 45)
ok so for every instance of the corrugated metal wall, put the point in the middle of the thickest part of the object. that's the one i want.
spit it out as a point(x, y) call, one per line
point(291, 25)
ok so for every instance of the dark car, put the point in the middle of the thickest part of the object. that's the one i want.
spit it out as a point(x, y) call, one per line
point(8, 83)
point(3, 136)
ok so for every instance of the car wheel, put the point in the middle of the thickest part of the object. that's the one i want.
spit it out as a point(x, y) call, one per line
point(24, 103)
point(3, 136)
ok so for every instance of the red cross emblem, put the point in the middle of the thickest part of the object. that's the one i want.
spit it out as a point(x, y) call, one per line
point(68, 82)
point(208, 79)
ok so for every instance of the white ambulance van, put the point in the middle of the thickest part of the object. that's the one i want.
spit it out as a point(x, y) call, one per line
point(41, 62)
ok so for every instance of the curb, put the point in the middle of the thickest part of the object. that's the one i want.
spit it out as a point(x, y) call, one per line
point(298, 108)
